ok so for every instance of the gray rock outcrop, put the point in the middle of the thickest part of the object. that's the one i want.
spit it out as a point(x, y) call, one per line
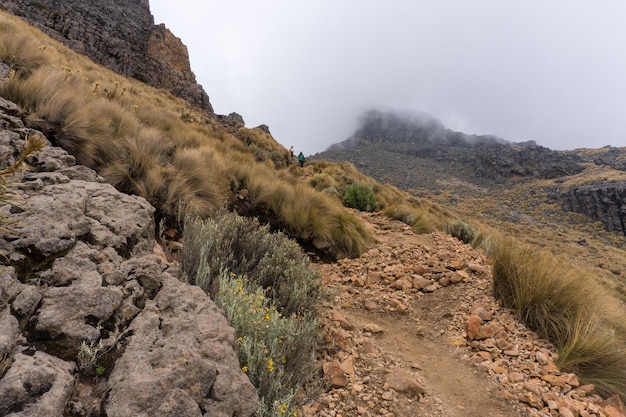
point(604, 202)
point(121, 35)
point(93, 321)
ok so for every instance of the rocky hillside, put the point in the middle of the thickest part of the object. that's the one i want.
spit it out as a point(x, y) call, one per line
point(120, 35)
point(426, 139)
point(416, 151)
point(93, 320)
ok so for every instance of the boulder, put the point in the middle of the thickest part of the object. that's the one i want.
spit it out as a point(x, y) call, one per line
point(36, 384)
point(179, 361)
point(405, 382)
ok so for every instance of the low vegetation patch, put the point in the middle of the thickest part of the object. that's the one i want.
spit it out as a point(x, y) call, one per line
point(566, 306)
point(461, 230)
point(268, 291)
point(342, 180)
point(360, 197)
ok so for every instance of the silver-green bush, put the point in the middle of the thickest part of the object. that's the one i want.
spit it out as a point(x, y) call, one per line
point(231, 243)
point(268, 291)
point(461, 230)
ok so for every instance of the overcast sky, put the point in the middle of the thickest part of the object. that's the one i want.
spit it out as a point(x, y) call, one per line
point(553, 71)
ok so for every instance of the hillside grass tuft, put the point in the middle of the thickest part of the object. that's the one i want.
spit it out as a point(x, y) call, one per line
point(566, 306)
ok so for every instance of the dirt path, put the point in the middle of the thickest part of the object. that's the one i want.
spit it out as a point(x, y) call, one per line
point(399, 319)
point(455, 387)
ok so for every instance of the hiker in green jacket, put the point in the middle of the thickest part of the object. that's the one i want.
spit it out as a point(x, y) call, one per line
point(301, 159)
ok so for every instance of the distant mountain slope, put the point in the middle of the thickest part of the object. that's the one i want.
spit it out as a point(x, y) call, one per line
point(393, 140)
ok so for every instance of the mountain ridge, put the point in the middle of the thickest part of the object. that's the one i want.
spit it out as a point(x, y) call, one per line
point(120, 35)
point(425, 137)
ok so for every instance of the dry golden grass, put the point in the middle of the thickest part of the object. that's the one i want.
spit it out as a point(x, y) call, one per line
point(595, 174)
point(147, 142)
point(422, 215)
point(19, 51)
point(295, 207)
point(197, 179)
point(565, 305)
point(137, 157)
point(596, 351)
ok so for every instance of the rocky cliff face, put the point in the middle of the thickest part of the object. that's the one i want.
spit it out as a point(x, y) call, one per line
point(522, 161)
point(602, 202)
point(121, 35)
point(93, 321)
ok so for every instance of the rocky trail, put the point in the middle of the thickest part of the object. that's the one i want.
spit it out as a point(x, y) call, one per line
point(418, 333)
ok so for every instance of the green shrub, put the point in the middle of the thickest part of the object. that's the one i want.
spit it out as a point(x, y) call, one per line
point(360, 197)
point(239, 245)
point(461, 230)
point(268, 291)
point(277, 352)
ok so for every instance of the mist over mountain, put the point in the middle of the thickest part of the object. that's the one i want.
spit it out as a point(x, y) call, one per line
point(383, 137)
point(415, 127)
point(415, 151)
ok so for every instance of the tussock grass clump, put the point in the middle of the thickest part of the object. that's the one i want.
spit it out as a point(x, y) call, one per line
point(419, 217)
point(19, 52)
point(402, 212)
point(268, 291)
point(264, 148)
point(296, 208)
point(596, 352)
point(566, 306)
point(324, 182)
point(461, 230)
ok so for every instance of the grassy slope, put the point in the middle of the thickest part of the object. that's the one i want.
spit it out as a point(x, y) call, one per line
point(525, 209)
point(147, 142)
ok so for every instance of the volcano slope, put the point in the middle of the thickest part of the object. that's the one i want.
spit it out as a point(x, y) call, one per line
point(417, 333)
